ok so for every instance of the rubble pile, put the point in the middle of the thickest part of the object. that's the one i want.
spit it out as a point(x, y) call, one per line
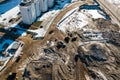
point(102, 61)
point(68, 60)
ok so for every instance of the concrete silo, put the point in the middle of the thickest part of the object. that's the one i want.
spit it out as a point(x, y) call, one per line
point(27, 9)
point(37, 7)
point(31, 9)
point(50, 3)
point(44, 5)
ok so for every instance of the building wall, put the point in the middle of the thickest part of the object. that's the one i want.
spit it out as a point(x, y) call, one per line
point(33, 10)
point(50, 3)
point(28, 14)
point(43, 5)
point(25, 15)
point(37, 7)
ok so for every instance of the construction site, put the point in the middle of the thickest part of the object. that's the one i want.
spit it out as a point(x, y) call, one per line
point(81, 41)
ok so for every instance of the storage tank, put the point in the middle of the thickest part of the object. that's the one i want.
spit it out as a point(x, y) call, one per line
point(28, 13)
point(44, 5)
point(37, 7)
point(50, 3)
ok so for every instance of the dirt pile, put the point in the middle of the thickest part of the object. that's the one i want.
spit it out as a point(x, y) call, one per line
point(72, 58)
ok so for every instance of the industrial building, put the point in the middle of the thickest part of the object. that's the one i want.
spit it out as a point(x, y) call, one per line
point(27, 9)
point(50, 3)
point(31, 9)
point(44, 5)
point(37, 7)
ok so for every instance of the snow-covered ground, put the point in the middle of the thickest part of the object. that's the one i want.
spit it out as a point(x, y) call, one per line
point(6, 17)
point(40, 32)
point(93, 13)
point(75, 0)
point(78, 19)
point(10, 13)
point(13, 13)
point(67, 15)
point(18, 52)
point(6, 60)
point(47, 19)
point(48, 14)
point(57, 7)
point(2, 58)
point(74, 22)
point(115, 2)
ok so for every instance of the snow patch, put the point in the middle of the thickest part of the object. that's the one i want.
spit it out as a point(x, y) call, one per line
point(40, 32)
point(48, 14)
point(94, 14)
point(4, 19)
point(76, 20)
point(115, 2)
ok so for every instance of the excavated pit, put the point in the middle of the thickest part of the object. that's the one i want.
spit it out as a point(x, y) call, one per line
point(68, 60)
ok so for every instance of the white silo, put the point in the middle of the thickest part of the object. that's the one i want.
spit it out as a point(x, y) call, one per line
point(50, 3)
point(27, 9)
point(44, 5)
point(37, 7)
